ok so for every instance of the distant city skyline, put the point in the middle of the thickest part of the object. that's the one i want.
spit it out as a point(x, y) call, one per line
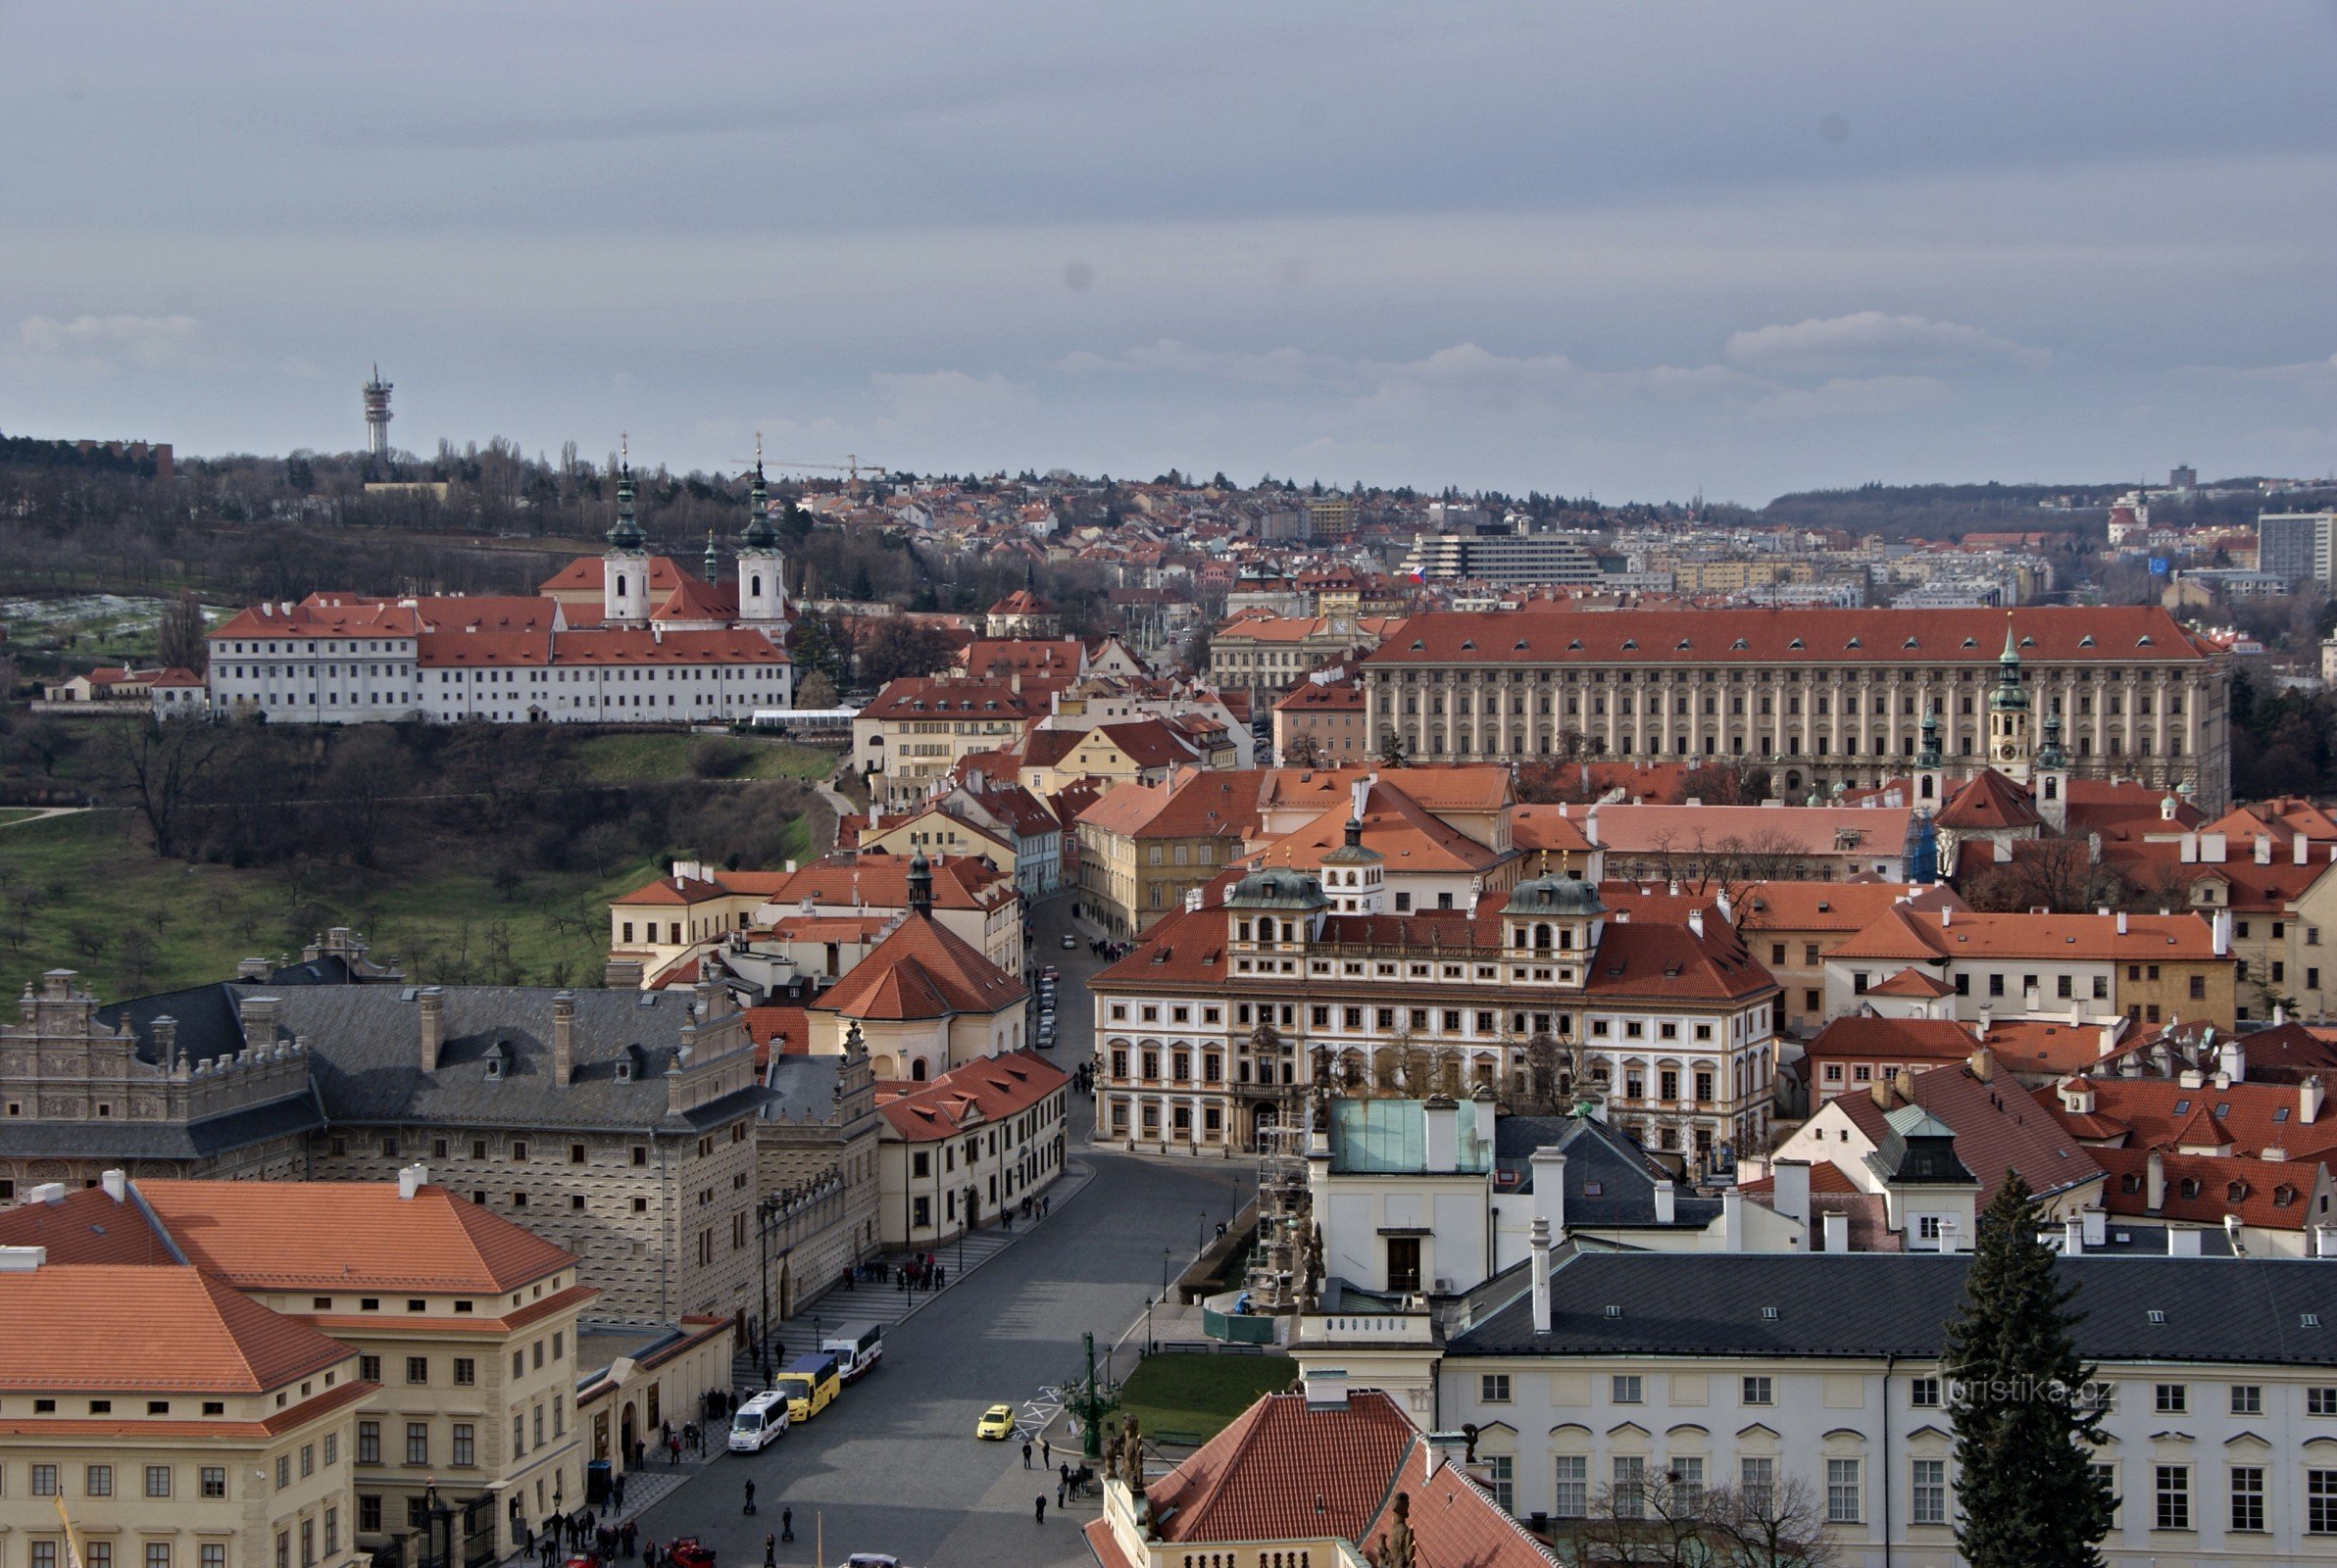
point(1625, 251)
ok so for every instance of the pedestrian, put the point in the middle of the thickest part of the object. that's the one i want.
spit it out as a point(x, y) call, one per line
point(770, 1550)
point(627, 1536)
point(750, 1496)
point(1063, 1472)
point(1026, 1454)
point(1061, 1487)
point(1046, 1453)
point(672, 1452)
point(787, 1524)
point(1042, 1502)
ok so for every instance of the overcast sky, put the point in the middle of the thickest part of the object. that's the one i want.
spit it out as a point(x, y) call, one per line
point(1635, 250)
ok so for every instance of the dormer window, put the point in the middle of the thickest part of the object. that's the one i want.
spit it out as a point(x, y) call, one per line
point(624, 1069)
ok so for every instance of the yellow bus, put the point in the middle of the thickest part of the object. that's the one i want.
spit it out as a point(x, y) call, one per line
point(809, 1382)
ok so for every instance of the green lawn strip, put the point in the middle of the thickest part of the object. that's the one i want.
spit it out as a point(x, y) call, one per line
point(1198, 1394)
point(82, 893)
point(668, 754)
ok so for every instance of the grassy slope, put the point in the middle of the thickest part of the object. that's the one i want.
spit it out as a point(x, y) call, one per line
point(665, 753)
point(1200, 1393)
point(82, 893)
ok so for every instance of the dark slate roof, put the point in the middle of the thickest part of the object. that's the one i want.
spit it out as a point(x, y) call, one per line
point(2250, 1311)
point(133, 1140)
point(804, 1088)
point(365, 1055)
point(206, 1016)
point(1596, 1155)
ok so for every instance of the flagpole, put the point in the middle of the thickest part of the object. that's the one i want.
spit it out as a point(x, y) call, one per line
point(73, 1547)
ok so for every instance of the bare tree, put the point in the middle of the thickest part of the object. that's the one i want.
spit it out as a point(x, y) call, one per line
point(1664, 1520)
point(181, 642)
point(156, 767)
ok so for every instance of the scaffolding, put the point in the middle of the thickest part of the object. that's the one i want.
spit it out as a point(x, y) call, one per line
point(1279, 1269)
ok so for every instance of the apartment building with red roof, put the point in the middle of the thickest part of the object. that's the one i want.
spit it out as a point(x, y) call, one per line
point(2152, 968)
point(155, 1411)
point(453, 1331)
point(957, 1149)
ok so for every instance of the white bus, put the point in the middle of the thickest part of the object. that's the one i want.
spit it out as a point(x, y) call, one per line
point(857, 1348)
point(756, 1424)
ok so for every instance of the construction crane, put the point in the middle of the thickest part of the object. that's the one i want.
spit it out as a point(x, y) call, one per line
point(851, 466)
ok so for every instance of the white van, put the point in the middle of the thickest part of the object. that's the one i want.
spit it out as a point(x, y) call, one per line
point(758, 1422)
point(857, 1348)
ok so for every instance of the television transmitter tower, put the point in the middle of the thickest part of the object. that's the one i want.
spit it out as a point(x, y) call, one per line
point(377, 414)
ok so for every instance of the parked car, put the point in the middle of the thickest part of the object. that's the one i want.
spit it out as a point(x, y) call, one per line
point(997, 1424)
point(1071, 943)
point(687, 1552)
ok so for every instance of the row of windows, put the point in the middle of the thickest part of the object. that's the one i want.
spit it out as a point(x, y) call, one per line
point(98, 1552)
point(160, 1480)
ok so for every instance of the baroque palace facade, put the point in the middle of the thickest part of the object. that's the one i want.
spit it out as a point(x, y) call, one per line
point(1212, 1028)
point(1820, 697)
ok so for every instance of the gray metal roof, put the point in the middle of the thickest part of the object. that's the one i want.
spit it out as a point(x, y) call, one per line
point(94, 1139)
point(1610, 1183)
point(2250, 1311)
point(803, 1088)
point(365, 1055)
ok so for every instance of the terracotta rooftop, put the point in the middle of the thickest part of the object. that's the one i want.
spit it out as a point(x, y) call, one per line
point(1283, 1471)
point(1988, 801)
point(922, 970)
point(168, 1329)
point(987, 1090)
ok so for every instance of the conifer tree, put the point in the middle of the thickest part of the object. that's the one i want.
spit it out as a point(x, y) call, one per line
point(2027, 1495)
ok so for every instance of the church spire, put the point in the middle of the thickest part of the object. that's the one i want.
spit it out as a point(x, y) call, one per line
point(758, 534)
point(625, 533)
point(714, 556)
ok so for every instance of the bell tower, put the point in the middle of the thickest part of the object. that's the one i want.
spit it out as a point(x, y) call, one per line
point(2008, 713)
point(624, 570)
point(2053, 777)
point(1930, 768)
point(762, 597)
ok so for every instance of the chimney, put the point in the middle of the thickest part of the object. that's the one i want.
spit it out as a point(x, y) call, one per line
point(2308, 1099)
point(2182, 1242)
point(2072, 1236)
point(164, 1030)
point(1879, 1092)
point(1666, 1201)
point(1837, 1231)
point(1983, 1064)
point(2221, 925)
point(1947, 918)
point(412, 1179)
point(2263, 848)
point(2187, 848)
point(1441, 1150)
point(1696, 923)
point(1482, 1102)
point(2300, 848)
point(1540, 1243)
point(1326, 1388)
point(2325, 1239)
point(2121, 922)
point(431, 1002)
point(564, 1038)
point(1733, 1220)
point(1791, 1193)
point(2154, 1182)
point(2097, 1228)
point(48, 1193)
point(1549, 1170)
point(117, 1185)
point(622, 974)
point(2212, 847)
point(259, 1021)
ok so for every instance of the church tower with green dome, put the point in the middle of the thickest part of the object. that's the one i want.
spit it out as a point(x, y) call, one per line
point(762, 594)
point(2008, 713)
point(624, 570)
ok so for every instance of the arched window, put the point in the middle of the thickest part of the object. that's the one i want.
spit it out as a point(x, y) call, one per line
point(620, 585)
point(1542, 937)
point(917, 1069)
point(755, 585)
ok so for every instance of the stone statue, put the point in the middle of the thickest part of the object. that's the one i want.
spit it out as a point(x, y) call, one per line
point(1400, 1546)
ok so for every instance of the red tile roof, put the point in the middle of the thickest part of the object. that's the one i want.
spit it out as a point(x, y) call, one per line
point(2143, 1113)
point(1998, 1128)
point(1867, 1036)
point(922, 970)
point(1834, 905)
point(1194, 804)
point(1906, 935)
point(1265, 1476)
point(2116, 634)
point(2202, 1189)
point(1989, 802)
point(164, 1329)
point(986, 1090)
point(919, 697)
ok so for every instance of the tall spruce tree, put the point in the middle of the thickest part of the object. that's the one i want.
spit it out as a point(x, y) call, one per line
point(2027, 1496)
